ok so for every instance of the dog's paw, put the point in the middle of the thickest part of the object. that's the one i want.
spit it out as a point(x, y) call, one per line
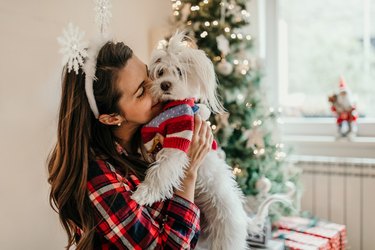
point(144, 195)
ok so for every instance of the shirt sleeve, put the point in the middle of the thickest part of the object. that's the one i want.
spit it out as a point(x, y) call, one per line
point(172, 224)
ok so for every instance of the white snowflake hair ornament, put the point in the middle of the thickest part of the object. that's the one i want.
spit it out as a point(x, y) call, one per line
point(78, 53)
point(73, 47)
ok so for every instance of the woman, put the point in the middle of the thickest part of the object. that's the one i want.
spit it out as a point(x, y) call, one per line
point(97, 163)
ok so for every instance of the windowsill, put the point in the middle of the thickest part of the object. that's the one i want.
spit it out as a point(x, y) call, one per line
point(317, 137)
point(324, 126)
point(356, 141)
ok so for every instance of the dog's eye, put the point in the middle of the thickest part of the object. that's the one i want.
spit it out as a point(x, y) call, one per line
point(160, 73)
point(179, 71)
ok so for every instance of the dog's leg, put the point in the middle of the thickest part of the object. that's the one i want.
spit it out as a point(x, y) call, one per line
point(203, 111)
point(162, 177)
point(221, 203)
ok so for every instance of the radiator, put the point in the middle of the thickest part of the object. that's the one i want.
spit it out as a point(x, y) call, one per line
point(341, 190)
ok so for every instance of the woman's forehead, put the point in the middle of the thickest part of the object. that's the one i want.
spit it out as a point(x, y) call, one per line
point(131, 76)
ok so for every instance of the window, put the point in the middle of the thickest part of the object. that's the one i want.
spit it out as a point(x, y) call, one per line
point(318, 42)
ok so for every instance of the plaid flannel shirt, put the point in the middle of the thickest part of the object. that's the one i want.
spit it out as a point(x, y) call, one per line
point(124, 224)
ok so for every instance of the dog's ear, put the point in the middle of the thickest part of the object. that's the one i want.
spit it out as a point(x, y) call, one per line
point(203, 70)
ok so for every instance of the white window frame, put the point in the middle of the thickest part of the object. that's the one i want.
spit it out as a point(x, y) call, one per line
point(313, 136)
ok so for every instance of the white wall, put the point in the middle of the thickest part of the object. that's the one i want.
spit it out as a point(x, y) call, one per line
point(29, 95)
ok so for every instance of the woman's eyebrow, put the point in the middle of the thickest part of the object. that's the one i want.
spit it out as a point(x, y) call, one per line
point(143, 82)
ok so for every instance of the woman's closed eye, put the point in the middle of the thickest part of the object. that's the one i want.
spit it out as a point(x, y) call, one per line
point(143, 90)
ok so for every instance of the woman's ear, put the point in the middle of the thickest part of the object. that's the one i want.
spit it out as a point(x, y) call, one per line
point(112, 119)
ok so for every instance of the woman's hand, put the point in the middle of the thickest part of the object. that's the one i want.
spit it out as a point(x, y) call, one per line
point(200, 145)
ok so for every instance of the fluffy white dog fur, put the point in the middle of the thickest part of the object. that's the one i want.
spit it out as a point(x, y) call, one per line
point(224, 222)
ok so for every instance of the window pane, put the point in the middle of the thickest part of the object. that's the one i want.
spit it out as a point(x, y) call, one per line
point(323, 40)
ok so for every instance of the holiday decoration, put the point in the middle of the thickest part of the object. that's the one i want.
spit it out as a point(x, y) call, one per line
point(246, 133)
point(73, 47)
point(302, 232)
point(263, 185)
point(344, 109)
point(224, 67)
point(103, 14)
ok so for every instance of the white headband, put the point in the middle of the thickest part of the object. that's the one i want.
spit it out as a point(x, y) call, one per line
point(90, 69)
point(77, 53)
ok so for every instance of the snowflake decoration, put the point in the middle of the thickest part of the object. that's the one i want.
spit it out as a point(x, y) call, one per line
point(103, 13)
point(73, 47)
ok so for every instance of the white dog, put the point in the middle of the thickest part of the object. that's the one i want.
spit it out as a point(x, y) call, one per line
point(181, 72)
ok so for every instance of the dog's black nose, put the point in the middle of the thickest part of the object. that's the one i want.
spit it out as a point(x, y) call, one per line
point(165, 86)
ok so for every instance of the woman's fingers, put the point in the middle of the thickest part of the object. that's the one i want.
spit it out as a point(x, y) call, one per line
point(197, 125)
point(201, 141)
point(208, 131)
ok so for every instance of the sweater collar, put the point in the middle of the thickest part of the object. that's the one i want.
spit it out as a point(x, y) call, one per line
point(189, 101)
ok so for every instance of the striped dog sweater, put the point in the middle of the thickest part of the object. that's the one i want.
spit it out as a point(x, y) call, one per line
point(172, 128)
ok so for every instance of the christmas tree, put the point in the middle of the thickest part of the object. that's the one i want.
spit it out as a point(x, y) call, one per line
point(246, 133)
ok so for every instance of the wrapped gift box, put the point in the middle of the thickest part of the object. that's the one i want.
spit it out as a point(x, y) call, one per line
point(334, 233)
point(297, 240)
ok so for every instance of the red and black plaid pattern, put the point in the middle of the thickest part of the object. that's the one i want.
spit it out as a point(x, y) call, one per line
point(124, 224)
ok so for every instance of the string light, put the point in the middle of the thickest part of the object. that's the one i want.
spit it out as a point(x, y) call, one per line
point(243, 71)
point(233, 36)
point(189, 23)
point(248, 105)
point(207, 24)
point(240, 97)
point(245, 13)
point(217, 58)
point(176, 13)
point(205, 1)
point(245, 62)
point(162, 44)
point(176, 5)
point(257, 123)
point(236, 171)
point(227, 29)
point(235, 62)
point(194, 8)
point(204, 34)
point(213, 127)
point(240, 36)
point(215, 23)
point(248, 37)
point(279, 155)
point(262, 151)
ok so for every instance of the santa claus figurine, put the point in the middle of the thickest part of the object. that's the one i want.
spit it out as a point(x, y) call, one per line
point(344, 110)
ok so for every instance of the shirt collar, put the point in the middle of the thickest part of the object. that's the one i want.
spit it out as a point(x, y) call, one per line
point(120, 150)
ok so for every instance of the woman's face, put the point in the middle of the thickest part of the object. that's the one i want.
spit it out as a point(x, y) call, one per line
point(136, 103)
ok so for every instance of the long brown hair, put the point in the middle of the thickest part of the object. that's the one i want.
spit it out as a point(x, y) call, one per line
point(81, 138)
